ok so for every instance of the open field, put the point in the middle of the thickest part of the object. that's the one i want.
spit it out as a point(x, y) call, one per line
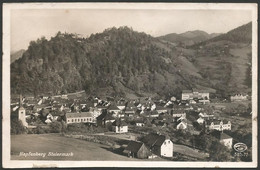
point(82, 150)
point(44, 143)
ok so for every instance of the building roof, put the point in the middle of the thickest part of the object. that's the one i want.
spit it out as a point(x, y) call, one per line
point(154, 139)
point(220, 135)
point(133, 146)
point(113, 107)
point(79, 114)
point(186, 91)
point(119, 122)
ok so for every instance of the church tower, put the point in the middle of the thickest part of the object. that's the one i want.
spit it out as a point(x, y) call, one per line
point(21, 113)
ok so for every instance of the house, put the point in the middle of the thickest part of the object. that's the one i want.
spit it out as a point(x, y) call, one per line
point(159, 144)
point(200, 120)
point(139, 123)
point(121, 105)
point(154, 113)
point(95, 112)
point(119, 126)
point(136, 149)
point(161, 109)
point(79, 117)
point(129, 112)
point(177, 113)
point(219, 125)
point(114, 109)
point(239, 97)
point(226, 140)
point(194, 94)
point(105, 118)
point(223, 138)
point(182, 124)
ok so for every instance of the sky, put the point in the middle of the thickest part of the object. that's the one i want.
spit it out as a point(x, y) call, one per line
point(31, 24)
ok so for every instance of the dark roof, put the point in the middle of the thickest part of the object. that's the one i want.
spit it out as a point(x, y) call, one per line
point(220, 135)
point(134, 146)
point(186, 91)
point(224, 136)
point(119, 122)
point(161, 108)
point(154, 140)
point(113, 107)
point(79, 114)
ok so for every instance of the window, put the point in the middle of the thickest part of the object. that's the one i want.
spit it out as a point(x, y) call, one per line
point(68, 120)
point(87, 119)
point(169, 142)
point(78, 120)
point(81, 120)
point(84, 120)
point(72, 120)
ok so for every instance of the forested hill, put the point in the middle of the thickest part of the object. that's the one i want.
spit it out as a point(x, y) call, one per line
point(123, 62)
point(242, 34)
point(119, 60)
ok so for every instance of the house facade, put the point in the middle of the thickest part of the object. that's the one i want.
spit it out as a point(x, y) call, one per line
point(119, 126)
point(136, 149)
point(219, 125)
point(194, 94)
point(79, 117)
point(226, 140)
point(238, 97)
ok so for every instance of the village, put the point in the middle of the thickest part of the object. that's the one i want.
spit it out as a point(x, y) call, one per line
point(148, 126)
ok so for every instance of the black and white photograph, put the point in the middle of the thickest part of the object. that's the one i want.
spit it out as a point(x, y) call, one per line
point(129, 85)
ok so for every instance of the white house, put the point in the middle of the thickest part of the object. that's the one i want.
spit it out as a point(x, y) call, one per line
point(226, 140)
point(200, 120)
point(119, 126)
point(182, 125)
point(159, 144)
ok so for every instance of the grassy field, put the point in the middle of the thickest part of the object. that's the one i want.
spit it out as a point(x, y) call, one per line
point(44, 143)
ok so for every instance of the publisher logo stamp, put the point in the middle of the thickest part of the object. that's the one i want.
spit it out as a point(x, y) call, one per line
point(240, 149)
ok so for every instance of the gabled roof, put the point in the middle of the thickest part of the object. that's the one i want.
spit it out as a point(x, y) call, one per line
point(119, 122)
point(134, 146)
point(220, 135)
point(113, 107)
point(154, 140)
point(186, 91)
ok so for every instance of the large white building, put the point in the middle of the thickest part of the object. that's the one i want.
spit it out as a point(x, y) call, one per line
point(238, 97)
point(80, 117)
point(219, 125)
point(194, 94)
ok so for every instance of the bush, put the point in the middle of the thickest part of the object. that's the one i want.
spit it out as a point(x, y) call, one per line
point(55, 127)
point(17, 127)
point(39, 130)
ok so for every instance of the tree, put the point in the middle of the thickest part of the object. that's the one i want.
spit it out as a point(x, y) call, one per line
point(55, 127)
point(17, 127)
point(219, 152)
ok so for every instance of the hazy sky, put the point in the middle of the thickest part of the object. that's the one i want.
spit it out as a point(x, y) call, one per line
point(30, 24)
